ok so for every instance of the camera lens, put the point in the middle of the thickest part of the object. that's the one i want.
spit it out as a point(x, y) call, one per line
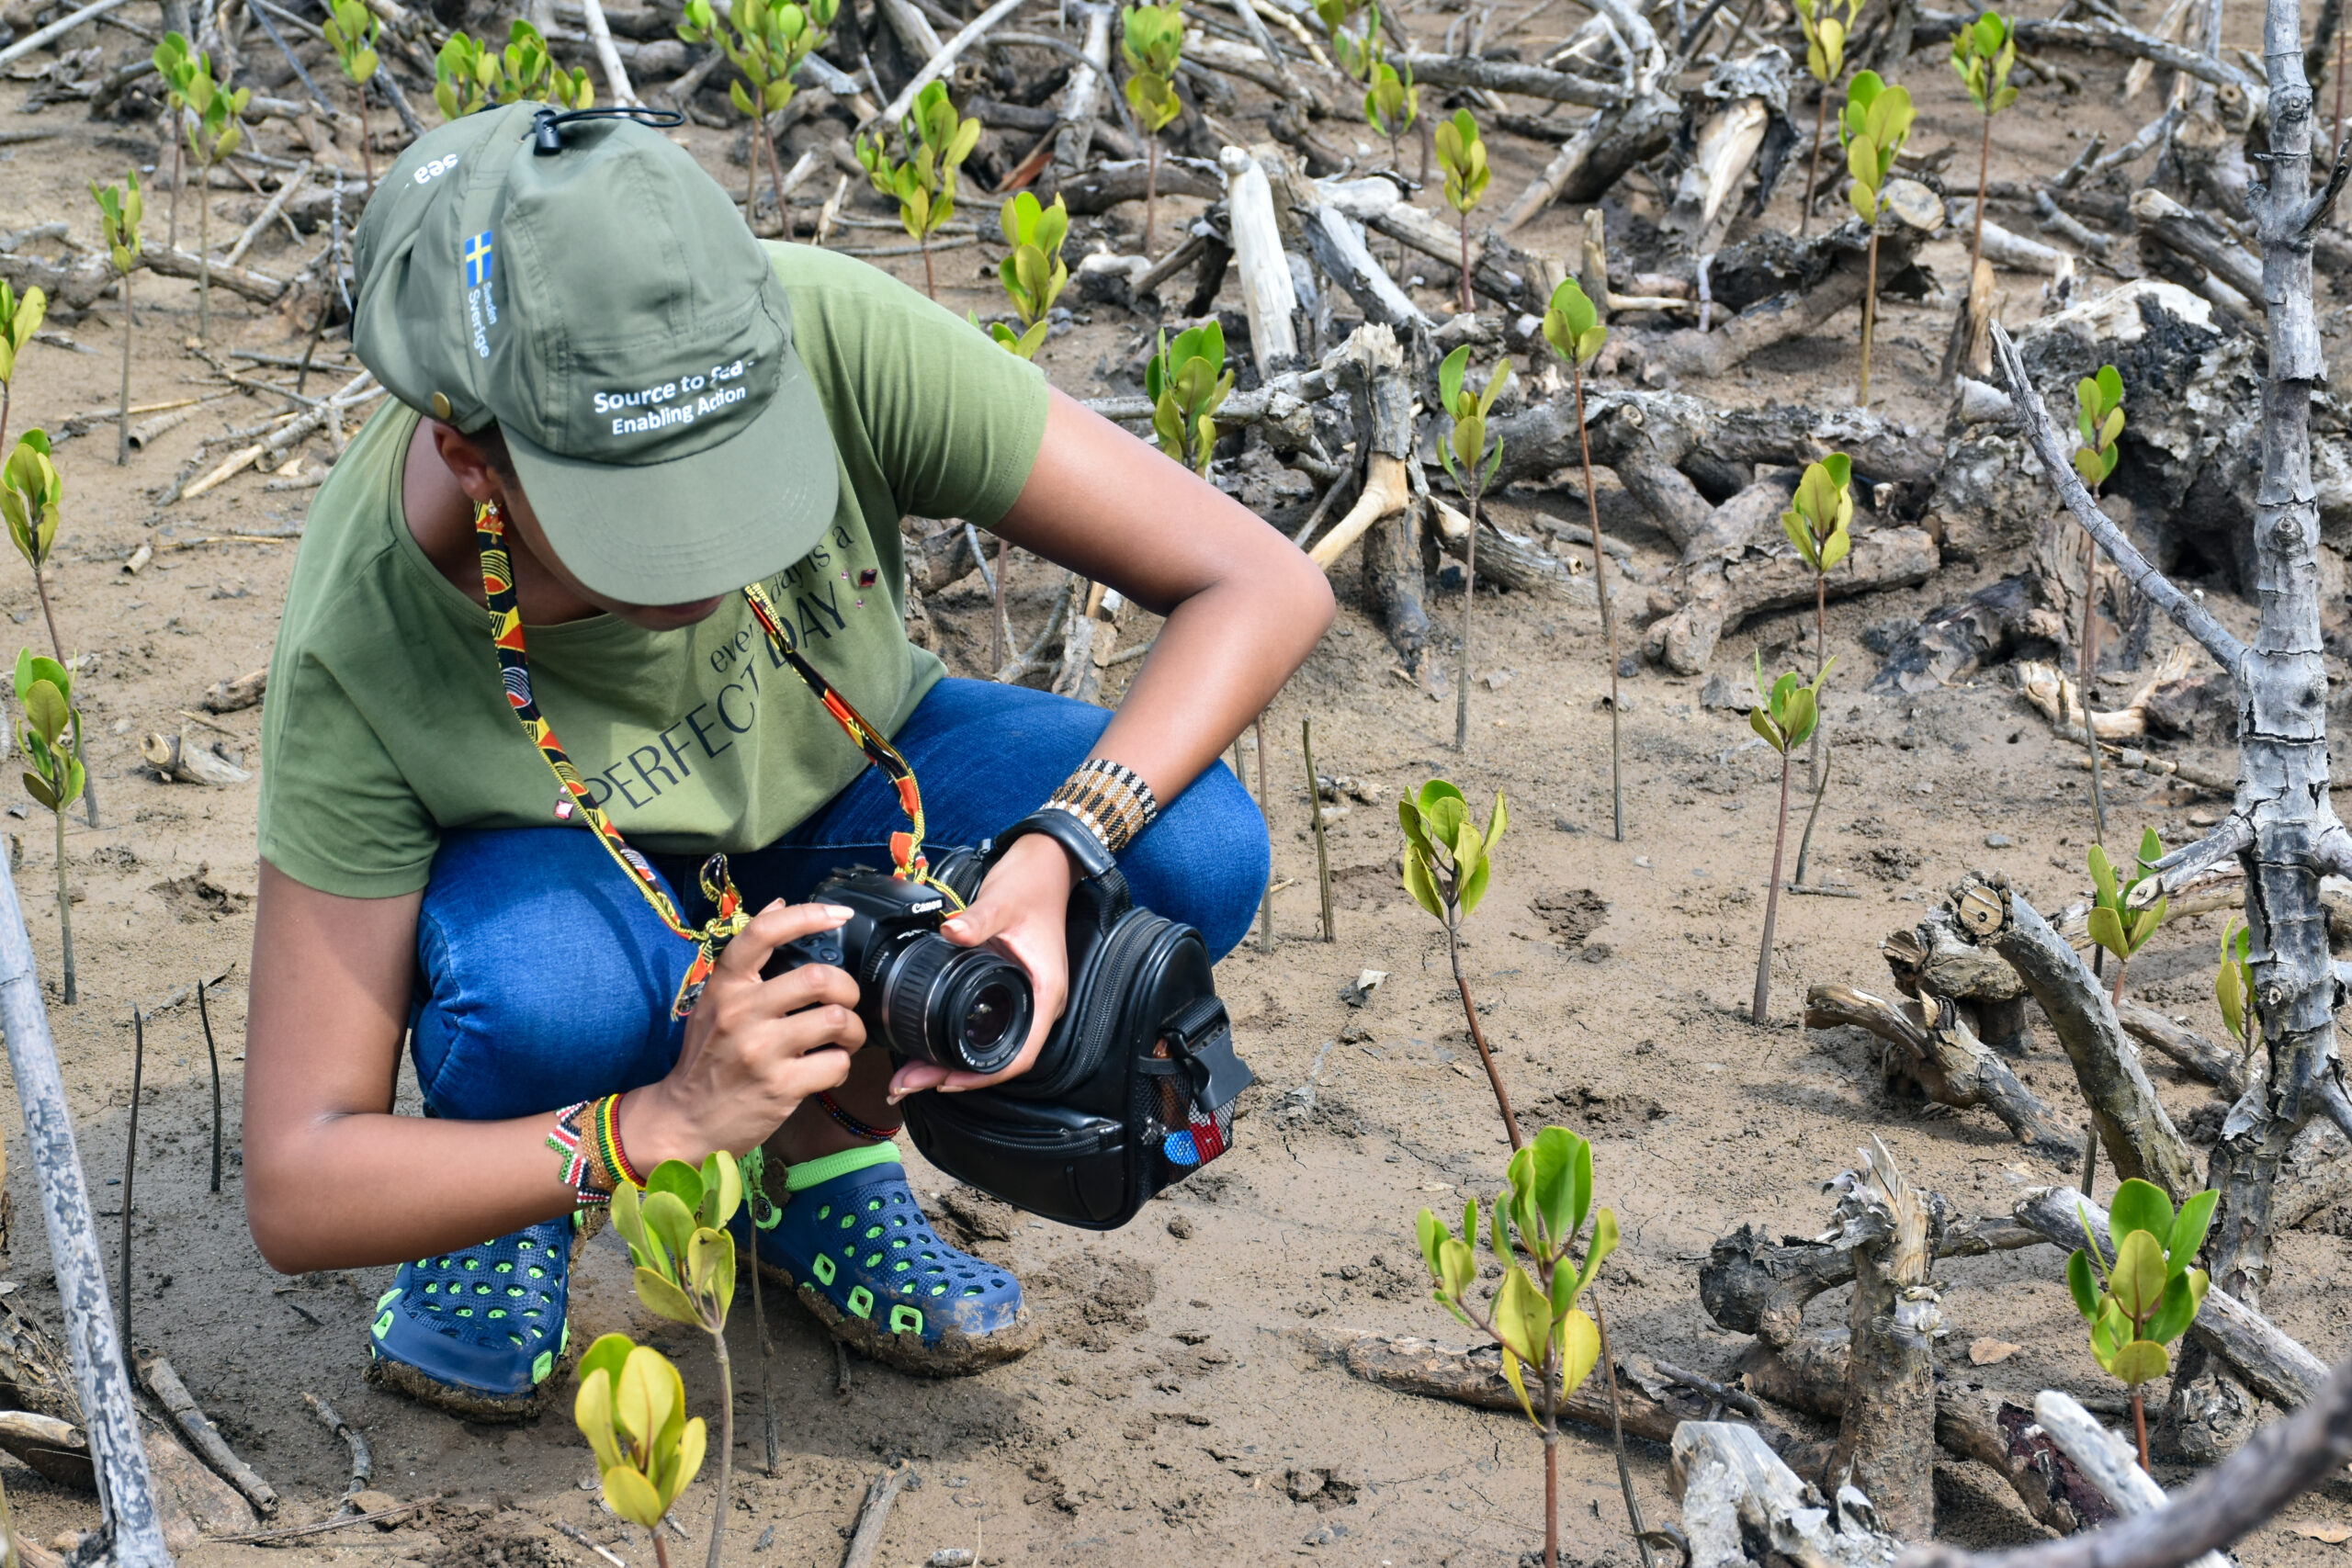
point(964, 1008)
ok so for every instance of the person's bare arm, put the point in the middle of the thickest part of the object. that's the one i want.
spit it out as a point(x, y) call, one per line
point(1244, 605)
point(334, 1180)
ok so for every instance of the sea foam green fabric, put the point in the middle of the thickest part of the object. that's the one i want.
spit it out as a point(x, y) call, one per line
point(387, 724)
point(604, 303)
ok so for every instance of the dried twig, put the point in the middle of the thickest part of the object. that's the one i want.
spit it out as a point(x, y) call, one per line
point(363, 1465)
point(165, 1383)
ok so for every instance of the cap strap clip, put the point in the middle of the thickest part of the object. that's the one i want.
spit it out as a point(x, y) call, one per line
point(547, 134)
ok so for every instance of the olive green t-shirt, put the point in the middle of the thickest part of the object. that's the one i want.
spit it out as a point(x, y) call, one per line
point(386, 723)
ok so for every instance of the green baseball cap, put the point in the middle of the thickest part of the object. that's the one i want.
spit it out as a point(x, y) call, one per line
point(606, 306)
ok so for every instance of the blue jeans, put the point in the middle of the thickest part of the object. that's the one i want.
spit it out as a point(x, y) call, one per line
point(543, 977)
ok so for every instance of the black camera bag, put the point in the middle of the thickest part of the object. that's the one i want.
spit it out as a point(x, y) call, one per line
point(1133, 1091)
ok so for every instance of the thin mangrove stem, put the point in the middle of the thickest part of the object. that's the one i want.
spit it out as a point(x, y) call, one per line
point(1478, 1035)
point(66, 943)
point(1758, 1013)
point(130, 1161)
point(1870, 318)
point(726, 1433)
point(1617, 1429)
point(204, 1013)
point(1813, 168)
point(1607, 618)
point(1804, 844)
point(1469, 598)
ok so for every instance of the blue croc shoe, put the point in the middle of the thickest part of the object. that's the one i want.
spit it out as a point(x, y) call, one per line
point(850, 1240)
point(481, 1333)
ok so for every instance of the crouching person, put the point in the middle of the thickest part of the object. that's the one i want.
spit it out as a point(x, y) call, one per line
point(615, 585)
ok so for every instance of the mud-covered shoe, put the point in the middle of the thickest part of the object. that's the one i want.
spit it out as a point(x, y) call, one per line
point(481, 1333)
point(854, 1245)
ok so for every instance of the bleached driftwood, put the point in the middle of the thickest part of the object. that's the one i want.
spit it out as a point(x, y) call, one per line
point(1656, 441)
point(1267, 293)
point(1508, 76)
point(1618, 137)
point(1990, 1428)
point(1721, 601)
point(1929, 958)
point(2107, 1460)
point(1912, 215)
point(1475, 1377)
point(1745, 97)
point(1946, 1061)
point(2283, 1460)
point(1084, 88)
point(2195, 237)
point(1340, 250)
point(2224, 1069)
point(1886, 1437)
point(1752, 1284)
point(1735, 1489)
point(2138, 1135)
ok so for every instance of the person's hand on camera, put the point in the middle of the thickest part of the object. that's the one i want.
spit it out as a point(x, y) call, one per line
point(755, 1049)
point(1019, 911)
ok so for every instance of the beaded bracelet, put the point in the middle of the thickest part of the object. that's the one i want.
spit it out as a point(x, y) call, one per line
point(1110, 799)
point(850, 1124)
point(587, 1138)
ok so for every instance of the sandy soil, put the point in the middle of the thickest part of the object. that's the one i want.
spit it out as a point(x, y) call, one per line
point(1177, 1413)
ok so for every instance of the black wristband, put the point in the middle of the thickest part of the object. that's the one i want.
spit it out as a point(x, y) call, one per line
point(1086, 851)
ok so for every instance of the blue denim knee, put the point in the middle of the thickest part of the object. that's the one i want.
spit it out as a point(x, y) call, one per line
point(544, 977)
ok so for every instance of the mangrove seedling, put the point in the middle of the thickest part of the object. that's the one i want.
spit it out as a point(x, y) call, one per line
point(1032, 272)
point(2147, 1295)
point(1573, 327)
point(119, 211)
point(1448, 861)
point(350, 30)
point(51, 738)
point(1817, 523)
point(1828, 24)
point(2119, 929)
point(2234, 986)
point(469, 75)
point(1152, 39)
point(632, 1409)
point(1876, 122)
point(1983, 54)
point(177, 65)
point(937, 140)
point(2099, 420)
point(1471, 461)
point(684, 1255)
point(214, 130)
point(32, 493)
point(1187, 382)
point(1356, 52)
point(1462, 153)
point(1784, 717)
point(766, 40)
point(1534, 1315)
point(1392, 105)
point(20, 316)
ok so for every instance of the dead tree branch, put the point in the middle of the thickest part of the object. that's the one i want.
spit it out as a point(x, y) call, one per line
point(2283, 1461)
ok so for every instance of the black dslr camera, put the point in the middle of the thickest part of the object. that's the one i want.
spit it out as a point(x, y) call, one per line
point(926, 999)
point(1134, 1090)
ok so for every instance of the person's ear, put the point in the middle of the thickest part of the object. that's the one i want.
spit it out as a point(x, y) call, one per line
point(467, 464)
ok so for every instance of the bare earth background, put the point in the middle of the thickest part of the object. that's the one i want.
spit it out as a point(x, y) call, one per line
point(1177, 1413)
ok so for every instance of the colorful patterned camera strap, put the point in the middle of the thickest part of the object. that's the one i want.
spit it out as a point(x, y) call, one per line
point(712, 937)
